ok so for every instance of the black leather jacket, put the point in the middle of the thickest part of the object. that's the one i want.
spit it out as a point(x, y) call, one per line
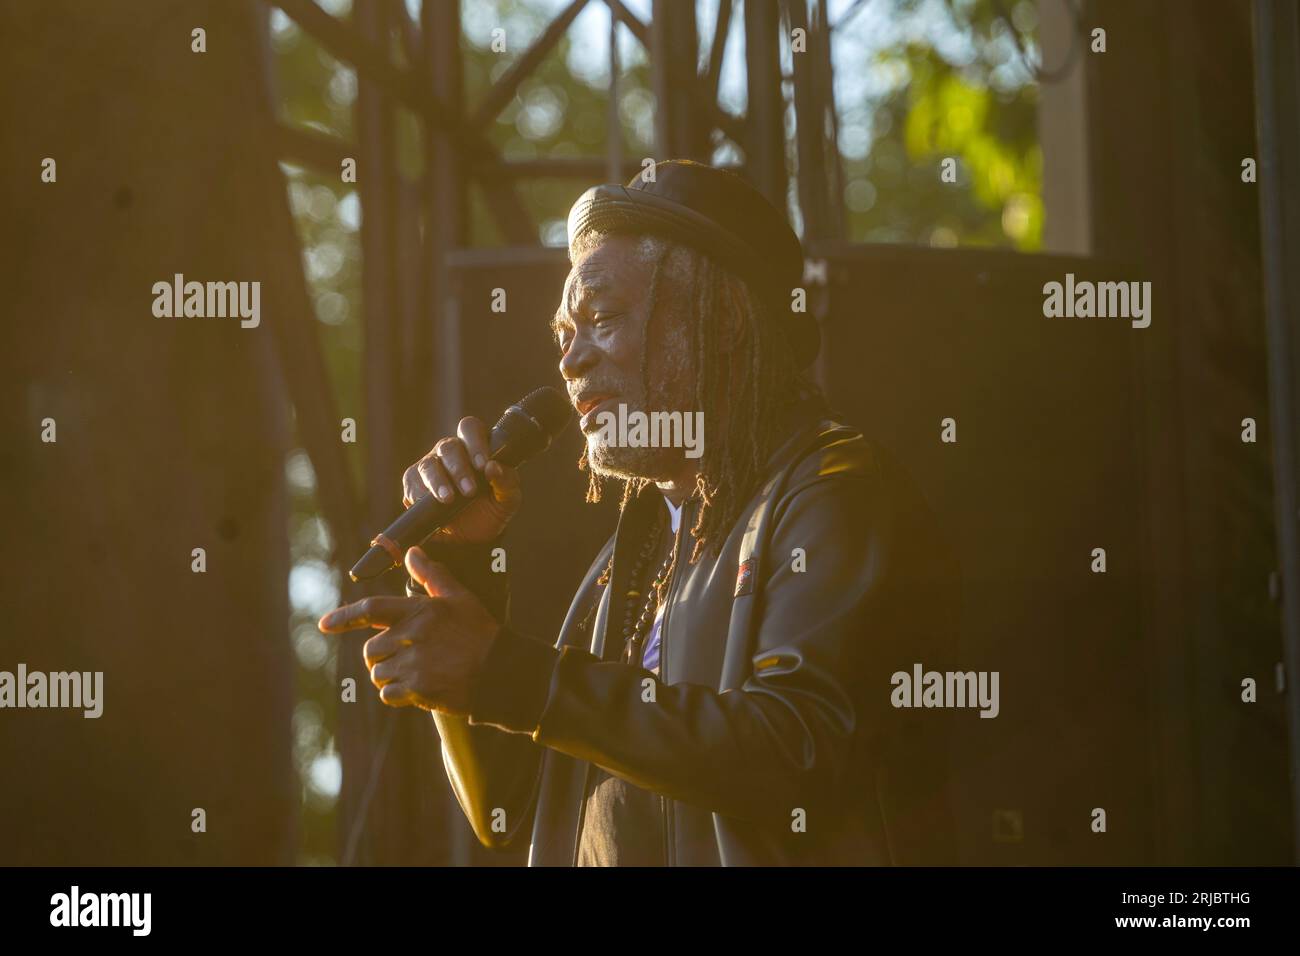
point(770, 735)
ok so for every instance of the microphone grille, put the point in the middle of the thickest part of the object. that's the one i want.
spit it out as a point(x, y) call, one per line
point(549, 407)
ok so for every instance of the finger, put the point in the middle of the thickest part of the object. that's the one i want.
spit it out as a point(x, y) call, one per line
point(454, 457)
point(387, 672)
point(397, 695)
point(385, 644)
point(382, 610)
point(474, 433)
point(413, 488)
point(435, 478)
point(434, 576)
point(505, 484)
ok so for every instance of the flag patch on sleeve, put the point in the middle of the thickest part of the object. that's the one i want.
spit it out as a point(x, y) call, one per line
point(745, 577)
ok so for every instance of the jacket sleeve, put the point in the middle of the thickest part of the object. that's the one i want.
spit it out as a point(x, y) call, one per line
point(785, 738)
point(494, 774)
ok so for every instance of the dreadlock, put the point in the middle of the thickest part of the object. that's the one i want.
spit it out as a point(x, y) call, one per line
point(741, 388)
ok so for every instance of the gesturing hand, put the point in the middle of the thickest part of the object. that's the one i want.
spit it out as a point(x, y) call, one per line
point(430, 650)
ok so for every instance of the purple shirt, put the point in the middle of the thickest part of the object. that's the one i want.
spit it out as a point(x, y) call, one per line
point(650, 656)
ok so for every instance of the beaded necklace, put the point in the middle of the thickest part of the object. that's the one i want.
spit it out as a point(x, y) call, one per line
point(636, 626)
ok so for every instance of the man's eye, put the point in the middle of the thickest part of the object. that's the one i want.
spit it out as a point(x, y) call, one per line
point(604, 318)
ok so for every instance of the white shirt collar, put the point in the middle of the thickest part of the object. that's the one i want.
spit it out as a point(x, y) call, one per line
point(674, 512)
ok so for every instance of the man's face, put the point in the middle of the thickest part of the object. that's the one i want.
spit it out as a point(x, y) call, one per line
point(600, 329)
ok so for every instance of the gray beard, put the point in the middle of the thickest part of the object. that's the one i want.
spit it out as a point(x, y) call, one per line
point(625, 461)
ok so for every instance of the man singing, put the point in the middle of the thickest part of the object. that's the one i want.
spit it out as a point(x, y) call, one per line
point(719, 693)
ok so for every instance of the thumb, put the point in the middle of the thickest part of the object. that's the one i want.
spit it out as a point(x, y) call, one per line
point(431, 575)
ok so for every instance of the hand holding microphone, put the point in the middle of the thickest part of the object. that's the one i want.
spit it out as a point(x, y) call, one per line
point(441, 491)
point(460, 465)
point(430, 649)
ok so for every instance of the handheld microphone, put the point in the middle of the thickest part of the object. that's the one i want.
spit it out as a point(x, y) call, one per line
point(524, 430)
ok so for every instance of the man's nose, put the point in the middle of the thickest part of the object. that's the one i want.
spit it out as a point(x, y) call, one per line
point(579, 358)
